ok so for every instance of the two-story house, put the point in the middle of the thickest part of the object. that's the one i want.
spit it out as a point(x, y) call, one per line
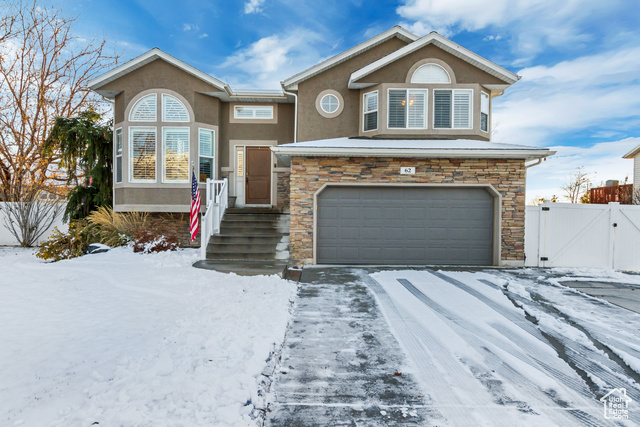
point(382, 154)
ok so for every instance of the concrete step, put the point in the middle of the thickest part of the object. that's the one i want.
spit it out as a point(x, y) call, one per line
point(243, 256)
point(255, 217)
point(244, 267)
point(253, 210)
point(253, 229)
point(250, 238)
point(246, 248)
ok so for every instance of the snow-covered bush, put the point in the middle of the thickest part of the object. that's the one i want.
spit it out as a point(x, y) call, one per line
point(156, 239)
point(72, 244)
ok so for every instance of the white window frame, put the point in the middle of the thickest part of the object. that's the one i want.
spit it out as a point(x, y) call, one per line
point(406, 116)
point(213, 150)
point(155, 132)
point(453, 91)
point(377, 110)
point(483, 93)
point(164, 166)
point(337, 107)
point(432, 83)
point(164, 110)
point(116, 155)
point(155, 110)
point(235, 112)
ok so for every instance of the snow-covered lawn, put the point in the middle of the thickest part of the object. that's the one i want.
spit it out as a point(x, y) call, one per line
point(513, 348)
point(124, 339)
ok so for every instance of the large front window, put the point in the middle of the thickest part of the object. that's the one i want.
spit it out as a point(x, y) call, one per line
point(407, 108)
point(175, 148)
point(452, 109)
point(142, 154)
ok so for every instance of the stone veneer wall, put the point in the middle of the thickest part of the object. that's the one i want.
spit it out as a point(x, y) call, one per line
point(283, 189)
point(308, 174)
point(178, 222)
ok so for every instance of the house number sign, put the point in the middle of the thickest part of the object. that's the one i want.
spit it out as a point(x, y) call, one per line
point(407, 171)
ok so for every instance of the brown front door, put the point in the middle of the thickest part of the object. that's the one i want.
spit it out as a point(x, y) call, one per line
point(258, 176)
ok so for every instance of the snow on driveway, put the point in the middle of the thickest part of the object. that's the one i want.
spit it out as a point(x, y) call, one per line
point(135, 340)
point(505, 349)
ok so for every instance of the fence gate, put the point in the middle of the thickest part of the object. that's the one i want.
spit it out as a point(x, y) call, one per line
point(583, 235)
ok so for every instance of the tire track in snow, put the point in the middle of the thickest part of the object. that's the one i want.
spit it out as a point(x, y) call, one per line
point(475, 337)
point(420, 344)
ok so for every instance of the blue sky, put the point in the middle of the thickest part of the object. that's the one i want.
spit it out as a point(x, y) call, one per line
point(579, 59)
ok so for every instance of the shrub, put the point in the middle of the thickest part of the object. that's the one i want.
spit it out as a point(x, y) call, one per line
point(156, 239)
point(115, 228)
point(67, 245)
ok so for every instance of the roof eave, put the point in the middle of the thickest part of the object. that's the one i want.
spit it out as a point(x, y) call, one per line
point(146, 58)
point(631, 154)
point(412, 153)
point(445, 44)
point(292, 82)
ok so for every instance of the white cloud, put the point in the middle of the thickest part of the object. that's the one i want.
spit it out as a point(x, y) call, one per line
point(253, 6)
point(203, 35)
point(602, 161)
point(591, 92)
point(271, 59)
point(532, 24)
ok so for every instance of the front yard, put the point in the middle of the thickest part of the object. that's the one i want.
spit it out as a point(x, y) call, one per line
point(127, 339)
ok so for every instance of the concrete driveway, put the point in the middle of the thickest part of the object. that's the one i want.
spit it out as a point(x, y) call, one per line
point(426, 347)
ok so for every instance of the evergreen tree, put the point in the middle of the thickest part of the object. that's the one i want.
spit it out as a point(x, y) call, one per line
point(84, 146)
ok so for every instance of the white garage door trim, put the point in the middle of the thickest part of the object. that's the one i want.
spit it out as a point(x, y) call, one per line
point(497, 209)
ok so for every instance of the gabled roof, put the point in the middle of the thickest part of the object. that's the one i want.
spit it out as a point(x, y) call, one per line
point(144, 59)
point(631, 154)
point(445, 44)
point(292, 82)
point(415, 148)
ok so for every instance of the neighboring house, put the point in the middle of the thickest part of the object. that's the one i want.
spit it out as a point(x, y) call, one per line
point(382, 153)
point(635, 155)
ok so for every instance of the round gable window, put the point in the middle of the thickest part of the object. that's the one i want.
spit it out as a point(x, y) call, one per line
point(329, 103)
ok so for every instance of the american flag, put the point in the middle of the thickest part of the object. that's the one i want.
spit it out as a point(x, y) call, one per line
point(194, 224)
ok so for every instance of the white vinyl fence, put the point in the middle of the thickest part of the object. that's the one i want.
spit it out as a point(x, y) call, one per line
point(7, 239)
point(583, 235)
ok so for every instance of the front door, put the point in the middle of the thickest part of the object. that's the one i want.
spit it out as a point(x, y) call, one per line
point(258, 176)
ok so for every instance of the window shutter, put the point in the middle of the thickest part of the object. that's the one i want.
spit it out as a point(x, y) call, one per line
point(397, 108)
point(143, 154)
point(442, 109)
point(173, 110)
point(176, 154)
point(144, 110)
point(462, 109)
point(416, 109)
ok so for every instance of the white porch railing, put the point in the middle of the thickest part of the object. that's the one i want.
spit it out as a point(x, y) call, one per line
point(217, 202)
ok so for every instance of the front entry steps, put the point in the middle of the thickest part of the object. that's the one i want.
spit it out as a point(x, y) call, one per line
point(252, 241)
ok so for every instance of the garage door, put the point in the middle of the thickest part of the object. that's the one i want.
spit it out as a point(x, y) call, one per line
point(405, 225)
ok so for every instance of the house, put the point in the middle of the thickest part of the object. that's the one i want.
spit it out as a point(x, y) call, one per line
point(382, 154)
point(635, 155)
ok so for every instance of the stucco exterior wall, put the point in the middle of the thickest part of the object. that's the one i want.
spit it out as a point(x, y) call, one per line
point(312, 125)
point(308, 174)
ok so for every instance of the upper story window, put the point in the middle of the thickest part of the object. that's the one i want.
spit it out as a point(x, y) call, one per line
point(430, 73)
point(370, 111)
point(452, 108)
point(407, 108)
point(484, 111)
point(260, 112)
point(144, 110)
point(329, 103)
point(173, 110)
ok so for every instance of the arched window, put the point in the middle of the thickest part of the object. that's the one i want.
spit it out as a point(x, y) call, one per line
point(430, 73)
point(173, 110)
point(144, 110)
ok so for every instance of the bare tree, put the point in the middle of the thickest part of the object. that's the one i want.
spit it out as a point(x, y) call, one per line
point(29, 218)
point(539, 200)
point(577, 185)
point(44, 71)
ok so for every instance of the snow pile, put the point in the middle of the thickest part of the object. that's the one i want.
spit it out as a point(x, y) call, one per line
point(129, 339)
